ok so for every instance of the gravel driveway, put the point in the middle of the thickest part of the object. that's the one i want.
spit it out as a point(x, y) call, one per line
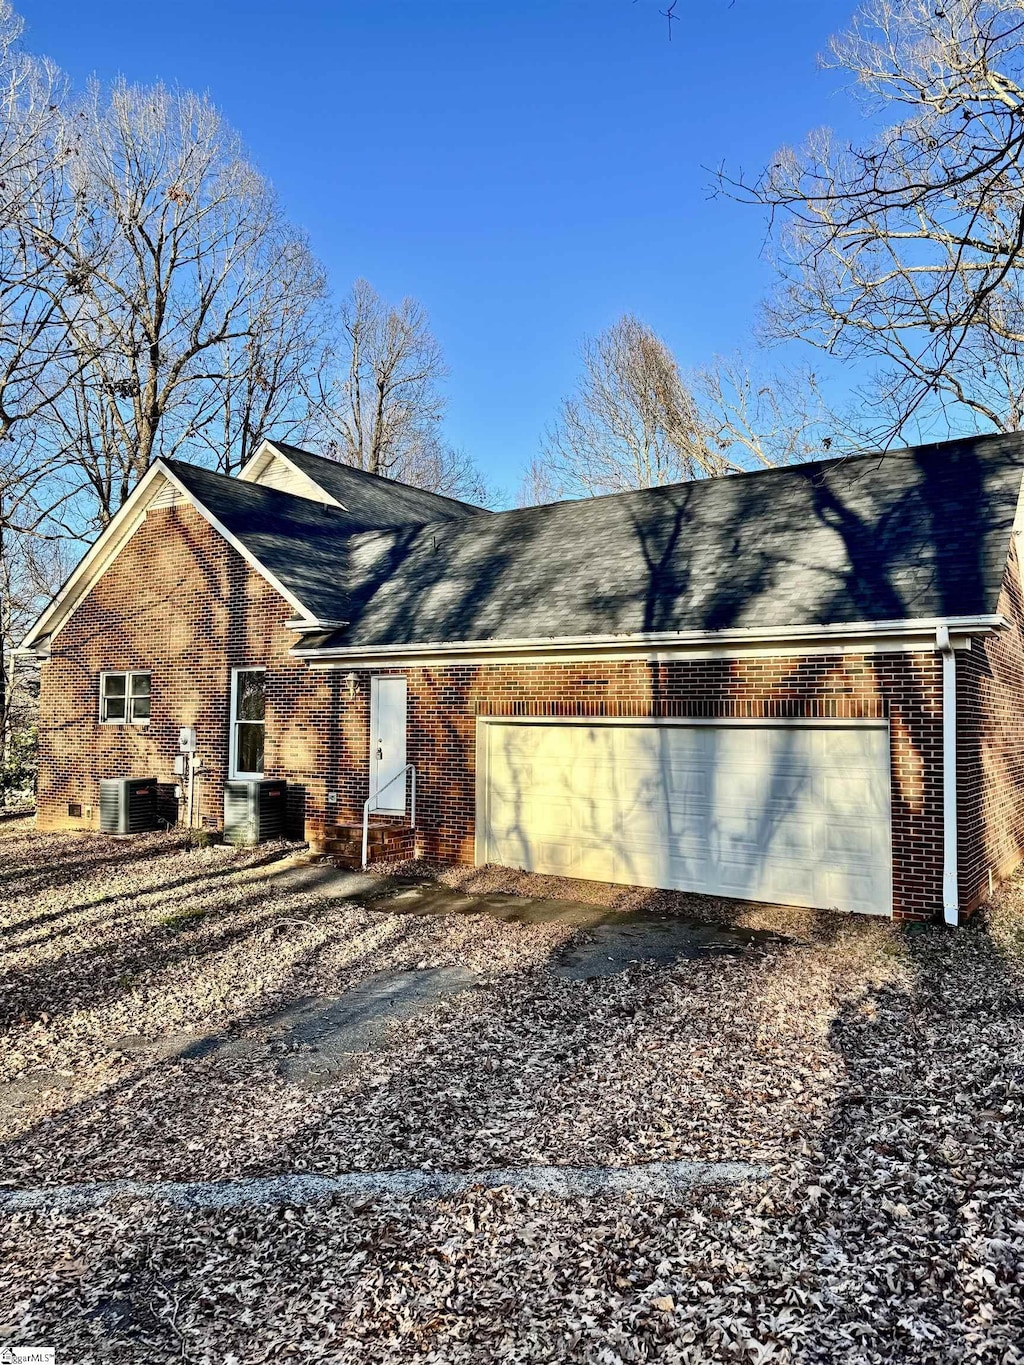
point(878, 1074)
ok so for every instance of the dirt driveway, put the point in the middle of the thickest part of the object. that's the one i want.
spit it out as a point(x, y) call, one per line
point(167, 1015)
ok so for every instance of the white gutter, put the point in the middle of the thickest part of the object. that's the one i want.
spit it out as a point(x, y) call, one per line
point(950, 888)
point(924, 628)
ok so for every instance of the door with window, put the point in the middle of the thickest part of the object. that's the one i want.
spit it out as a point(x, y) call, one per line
point(387, 745)
point(248, 722)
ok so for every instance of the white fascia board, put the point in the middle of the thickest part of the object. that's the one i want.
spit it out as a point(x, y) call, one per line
point(918, 634)
point(255, 465)
point(256, 462)
point(97, 559)
point(112, 540)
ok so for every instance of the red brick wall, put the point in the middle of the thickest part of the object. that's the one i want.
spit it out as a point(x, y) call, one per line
point(990, 749)
point(180, 602)
point(444, 704)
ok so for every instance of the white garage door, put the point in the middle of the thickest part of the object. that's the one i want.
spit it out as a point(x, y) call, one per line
point(797, 814)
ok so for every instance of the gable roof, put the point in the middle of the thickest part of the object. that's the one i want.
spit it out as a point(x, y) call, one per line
point(380, 501)
point(298, 543)
point(917, 534)
point(295, 542)
point(914, 535)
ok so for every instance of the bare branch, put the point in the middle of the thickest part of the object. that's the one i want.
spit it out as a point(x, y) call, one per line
point(907, 248)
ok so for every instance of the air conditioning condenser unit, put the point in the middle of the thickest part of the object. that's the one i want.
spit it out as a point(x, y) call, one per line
point(254, 810)
point(127, 805)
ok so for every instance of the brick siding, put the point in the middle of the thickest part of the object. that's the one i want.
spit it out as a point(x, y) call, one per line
point(178, 601)
point(906, 688)
point(990, 750)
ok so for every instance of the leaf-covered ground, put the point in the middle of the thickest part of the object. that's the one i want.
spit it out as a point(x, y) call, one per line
point(880, 1073)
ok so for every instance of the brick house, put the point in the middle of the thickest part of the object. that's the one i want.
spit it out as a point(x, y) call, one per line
point(802, 685)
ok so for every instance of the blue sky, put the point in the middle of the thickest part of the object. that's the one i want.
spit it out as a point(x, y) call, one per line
point(529, 169)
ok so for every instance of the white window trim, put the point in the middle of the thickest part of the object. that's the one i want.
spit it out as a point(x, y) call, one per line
point(127, 674)
point(233, 773)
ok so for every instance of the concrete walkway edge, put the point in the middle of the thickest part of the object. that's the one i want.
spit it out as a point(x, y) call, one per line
point(658, 1180)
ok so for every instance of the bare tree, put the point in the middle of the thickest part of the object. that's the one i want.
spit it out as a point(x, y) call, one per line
point(538, 484)
point(632, 421)
point(258, 386)
point(443, 468)
point(637, 421)
point(907, 248)
point(36, 297)
point(183, 251)
point(378, 400)
point(757, 418)
point(33, 564)
point(380, 394)
point(36, 291)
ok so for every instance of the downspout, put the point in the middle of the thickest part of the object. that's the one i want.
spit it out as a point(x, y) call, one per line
point(950, 889)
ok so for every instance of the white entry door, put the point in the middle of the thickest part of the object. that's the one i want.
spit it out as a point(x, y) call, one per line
point(387, 745)
point(797, 813)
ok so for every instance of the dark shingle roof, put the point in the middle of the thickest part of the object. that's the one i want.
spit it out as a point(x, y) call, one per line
point(300, 542)
point(920, 533)
point(380, 502)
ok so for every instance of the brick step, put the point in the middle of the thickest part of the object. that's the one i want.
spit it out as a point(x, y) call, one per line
point(355, 831)
point(374, 837)
point(345, 831)
point(375, 848)
point(344, 843)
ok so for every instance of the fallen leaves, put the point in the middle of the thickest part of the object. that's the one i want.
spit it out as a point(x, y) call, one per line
point(882, 1075)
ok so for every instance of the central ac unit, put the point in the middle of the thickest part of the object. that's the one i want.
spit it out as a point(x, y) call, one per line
point(127, 805)
point(254, 810)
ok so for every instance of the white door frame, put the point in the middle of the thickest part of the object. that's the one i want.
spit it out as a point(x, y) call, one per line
point(388, 745)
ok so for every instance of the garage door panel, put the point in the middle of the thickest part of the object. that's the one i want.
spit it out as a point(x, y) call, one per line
point(796, 838)
point(850, 791)
point(787, 813)
point(850, 890)
point(845, 839)
point(641, 743)
point(789, 789)
point(595, 820)
point(554, 857)
point(730, 833)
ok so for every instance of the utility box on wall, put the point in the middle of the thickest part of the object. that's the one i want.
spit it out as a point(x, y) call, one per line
point(127, 805)
point(254, 810)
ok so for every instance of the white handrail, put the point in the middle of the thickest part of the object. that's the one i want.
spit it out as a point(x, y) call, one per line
point(409, 768)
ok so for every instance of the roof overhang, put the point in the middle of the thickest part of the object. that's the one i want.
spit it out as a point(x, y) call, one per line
point(871, 636)
point(113, 539)
point(313, 625)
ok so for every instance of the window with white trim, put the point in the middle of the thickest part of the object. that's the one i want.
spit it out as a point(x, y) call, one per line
point(248, 720)
point(124, 698)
